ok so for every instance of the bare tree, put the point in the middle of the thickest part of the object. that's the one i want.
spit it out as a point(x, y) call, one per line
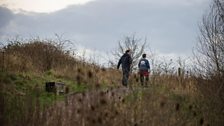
point(136, 45)
point(210, 48)
point(211, 41)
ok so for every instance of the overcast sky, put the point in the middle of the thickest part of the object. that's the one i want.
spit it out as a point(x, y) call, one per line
point(170, 26)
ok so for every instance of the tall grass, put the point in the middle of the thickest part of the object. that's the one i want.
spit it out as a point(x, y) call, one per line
point(27, 65)
point(173, 97)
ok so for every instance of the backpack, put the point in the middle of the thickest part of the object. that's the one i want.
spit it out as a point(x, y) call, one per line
point(143, 64)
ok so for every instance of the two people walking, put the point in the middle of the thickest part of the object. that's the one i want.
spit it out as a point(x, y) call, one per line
point(143, 66)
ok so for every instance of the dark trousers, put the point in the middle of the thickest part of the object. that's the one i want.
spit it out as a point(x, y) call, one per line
point(125, 76)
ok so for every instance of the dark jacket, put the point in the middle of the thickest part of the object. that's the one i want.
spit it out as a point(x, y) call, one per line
point(126, 62)
point(144, 64)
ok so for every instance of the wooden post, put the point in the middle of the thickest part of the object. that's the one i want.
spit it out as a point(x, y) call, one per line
point(179, 75)
point(179, 72)
point(3, 60)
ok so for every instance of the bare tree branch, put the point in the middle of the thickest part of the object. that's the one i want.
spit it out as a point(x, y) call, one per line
point(136, 45)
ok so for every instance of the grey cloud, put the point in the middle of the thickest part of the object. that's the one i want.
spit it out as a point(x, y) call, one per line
point(5, 16)
point(170, 28)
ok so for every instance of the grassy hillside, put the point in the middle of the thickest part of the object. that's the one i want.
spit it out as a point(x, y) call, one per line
point(95, 96)
point(26, 67)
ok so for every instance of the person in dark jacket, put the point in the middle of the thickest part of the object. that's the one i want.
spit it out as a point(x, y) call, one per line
point(144, 68)
point(126, 62)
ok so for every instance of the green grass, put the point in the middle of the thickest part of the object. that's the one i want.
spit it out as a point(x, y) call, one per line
point(33, 85)
point(22, 93)
point(47, 99)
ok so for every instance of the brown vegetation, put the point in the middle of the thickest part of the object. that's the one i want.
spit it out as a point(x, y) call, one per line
point(176, 95)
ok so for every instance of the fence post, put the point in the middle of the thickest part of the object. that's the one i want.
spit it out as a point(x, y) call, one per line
point(3, 60)
point(179, 71)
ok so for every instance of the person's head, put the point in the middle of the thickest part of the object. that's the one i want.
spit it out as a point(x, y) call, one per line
point(128, 51)
point(144, 55)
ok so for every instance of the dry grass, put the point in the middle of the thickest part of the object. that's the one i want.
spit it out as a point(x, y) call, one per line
point(157, 105)
point(169, 100)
